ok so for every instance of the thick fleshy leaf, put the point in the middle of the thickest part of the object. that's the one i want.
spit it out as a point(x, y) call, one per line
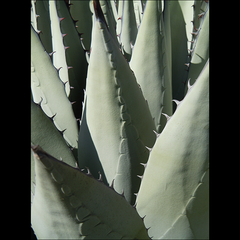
point(174, 191)
point(127, 27)
point(149, 62)
point(181, 15)
point(45, 134)
point(42, 23)
point(82, 16)
point(116, 124)
point(201, 51)
point(59, 56)
point(69, 204)
point(75, 58)
point(48, 88)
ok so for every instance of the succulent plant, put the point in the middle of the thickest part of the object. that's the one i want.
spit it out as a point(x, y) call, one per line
point(120, 119)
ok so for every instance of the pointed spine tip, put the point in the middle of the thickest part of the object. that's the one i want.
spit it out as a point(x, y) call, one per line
point(148, 148)
point(176, 101)
point(157, 134)
point(100, 177)
point(62, 131)
point(88, 171)
point(122, 194)
point(167, 117)
point(144, 164)
point(51, 53)
point(111, 186)
point(40, 102)
point(58, 69)
point(188, 84)
point(98, 12)
point(62, 18)
point(52, 117)
point(76, 165)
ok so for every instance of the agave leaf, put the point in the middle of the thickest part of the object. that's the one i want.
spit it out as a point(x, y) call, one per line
point(174, 189)
point(43, 24)
point(201, 51)
point(116, 124)
point(200, 7)
point(59, 56)
point(108, 15)
point(181, 15)
point(138, 10)
point(48, 88)
point(128, 29)
point(44, 133)
point(33, 15)
point(114, 10)
point(167, 28)
point(150, 63)
point(82, 16)
point(69, 204)
point(75, 57)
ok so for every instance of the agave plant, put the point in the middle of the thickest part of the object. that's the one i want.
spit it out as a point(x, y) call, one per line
point(132, 161)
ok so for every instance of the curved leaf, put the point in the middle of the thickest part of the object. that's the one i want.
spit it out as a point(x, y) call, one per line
point(69, 204)
point(116, 124)
point(174, 191)
point(81, 13)
point(181, 15)
point(74, 56)
point(48, 88)
point(128, 27)
point(149, 62)
point(59, 56)
point(44, 133)
point(201, 51)
point(43, 23)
